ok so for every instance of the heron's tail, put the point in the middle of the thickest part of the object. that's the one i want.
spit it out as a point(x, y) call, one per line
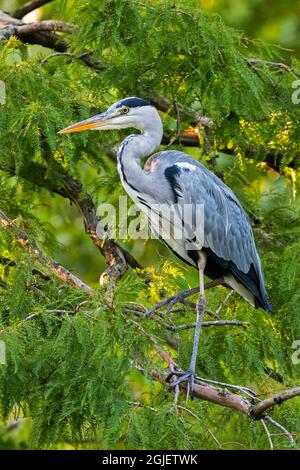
point(263, 301)
point(252, 287)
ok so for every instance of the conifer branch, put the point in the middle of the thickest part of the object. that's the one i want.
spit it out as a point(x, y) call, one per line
point(29, 7)
point(188, 326)
point(258, 410)
point(34, 250)
point(180, 297)
point(223, 397)
point(191, 413)
point(220, 396)
point(11, 264)
point(202, 390)
point(43, 35)
point(272, 65)
point(117, 258)
point(247, 391)
point(140, 312)
point(287, 434)
point(46, 25)
point(55, 54)
point(43, 32)
point(85, 57)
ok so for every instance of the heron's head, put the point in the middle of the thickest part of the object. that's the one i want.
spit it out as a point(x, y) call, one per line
point(129, 112)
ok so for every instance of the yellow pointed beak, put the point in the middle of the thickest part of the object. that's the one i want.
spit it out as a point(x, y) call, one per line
point(92, 123)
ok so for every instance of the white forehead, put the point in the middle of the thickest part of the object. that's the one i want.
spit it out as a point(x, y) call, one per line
point(114, 106)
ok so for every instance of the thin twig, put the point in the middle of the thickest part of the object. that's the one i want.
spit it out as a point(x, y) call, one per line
point(55, 54)
point(85, 57)
point(193, 306)
point(183, 408)
point(241, 388)
point(268, 434)
point(180, 296)
point(287, 434)
point(55, 311)
point(141, 405)
point(223, 303)
point(165, 105)
point(272, 65)
point(188, 303)
point(139, 311)
point(210, 323)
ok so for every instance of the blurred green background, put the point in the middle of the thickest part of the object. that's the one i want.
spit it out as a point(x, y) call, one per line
point(275, 21)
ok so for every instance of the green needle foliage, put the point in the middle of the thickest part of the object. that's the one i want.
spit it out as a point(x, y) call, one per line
point(79, 368)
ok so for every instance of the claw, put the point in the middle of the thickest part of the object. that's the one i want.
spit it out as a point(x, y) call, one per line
point(175, 372)
point(187, 376)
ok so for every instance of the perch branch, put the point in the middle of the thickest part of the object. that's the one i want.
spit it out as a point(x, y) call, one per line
point(258, 410)
point(218, 396)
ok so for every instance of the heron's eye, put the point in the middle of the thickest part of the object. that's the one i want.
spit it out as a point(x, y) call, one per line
point(125, 110)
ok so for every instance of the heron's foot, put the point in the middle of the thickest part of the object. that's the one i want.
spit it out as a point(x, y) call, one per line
point(187, 376)
point(168, 304)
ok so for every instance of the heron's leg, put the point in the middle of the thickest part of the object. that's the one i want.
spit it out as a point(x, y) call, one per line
point(189, 375)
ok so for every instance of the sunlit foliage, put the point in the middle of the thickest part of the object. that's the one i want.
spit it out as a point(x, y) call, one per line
point(72, 377)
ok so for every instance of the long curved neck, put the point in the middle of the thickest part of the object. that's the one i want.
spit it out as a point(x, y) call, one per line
point(133, 149)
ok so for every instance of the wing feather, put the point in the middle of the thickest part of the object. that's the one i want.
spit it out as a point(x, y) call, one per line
point(227, 231)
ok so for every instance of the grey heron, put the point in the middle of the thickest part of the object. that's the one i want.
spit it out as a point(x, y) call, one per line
point(171, 177)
